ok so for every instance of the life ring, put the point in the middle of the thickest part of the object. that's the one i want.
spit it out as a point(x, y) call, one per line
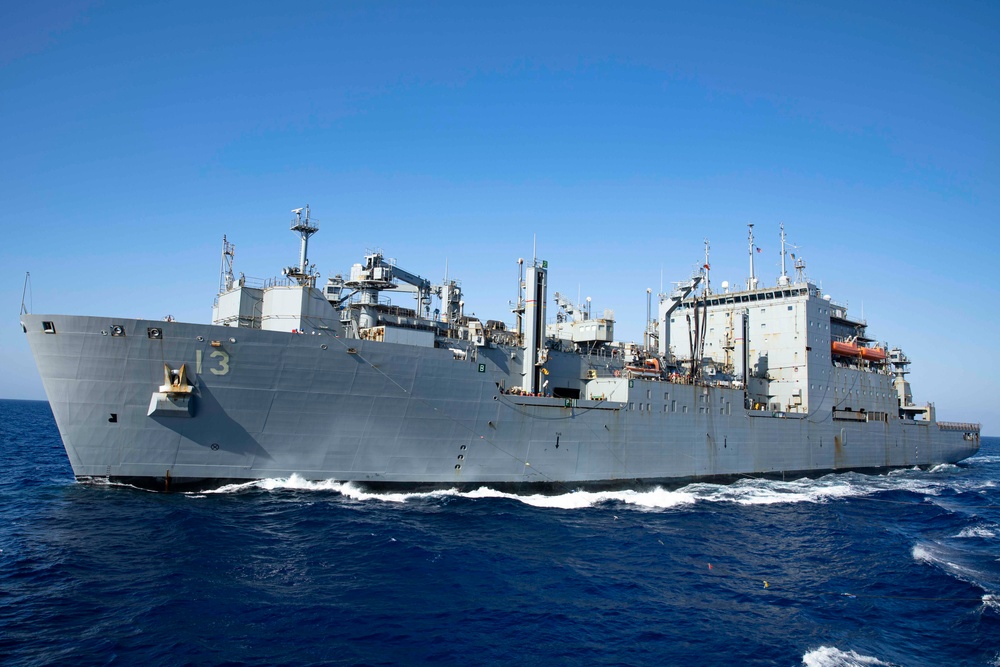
point(618, 374)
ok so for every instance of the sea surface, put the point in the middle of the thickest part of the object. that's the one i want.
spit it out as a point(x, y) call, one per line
point(846, 569)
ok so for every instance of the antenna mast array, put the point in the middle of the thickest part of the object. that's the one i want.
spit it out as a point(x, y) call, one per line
point(306, 227)
point(226, 273)
point(708, 268)
point(783, 280)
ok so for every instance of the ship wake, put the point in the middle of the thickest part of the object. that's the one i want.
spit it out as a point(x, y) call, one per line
point(928, 485)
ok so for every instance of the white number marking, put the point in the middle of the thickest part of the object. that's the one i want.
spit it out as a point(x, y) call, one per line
point(223, 363)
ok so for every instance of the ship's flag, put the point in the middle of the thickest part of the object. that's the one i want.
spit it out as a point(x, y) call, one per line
point(793, 255)
point(758, 249)
point(708, 268)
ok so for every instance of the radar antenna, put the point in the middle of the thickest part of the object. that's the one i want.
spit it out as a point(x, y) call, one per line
point(306, 227)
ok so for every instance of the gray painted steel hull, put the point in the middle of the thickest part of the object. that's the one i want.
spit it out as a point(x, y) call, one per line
point(273, 404)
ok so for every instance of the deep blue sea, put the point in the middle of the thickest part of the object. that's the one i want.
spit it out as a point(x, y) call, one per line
point(848, 569)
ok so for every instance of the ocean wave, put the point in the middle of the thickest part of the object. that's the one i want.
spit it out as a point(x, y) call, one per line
point(105, 482)
point(770, 492)
point(743, 492)
point(749, 491)
point(296, 482)
point(827, 656)
point(977, 531)
point(654, 498)
point(293, 483)
point(950, 562)
point(658, 498)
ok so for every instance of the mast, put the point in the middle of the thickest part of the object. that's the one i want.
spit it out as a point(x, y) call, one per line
point(707, 267)
point(647, 332)
point(783, 280)
point(752, 282)
point(226, 272)
point(305, 228)
point(519, 304)
point(24, 290)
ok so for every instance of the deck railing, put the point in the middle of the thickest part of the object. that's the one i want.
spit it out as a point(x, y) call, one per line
point(968, 427)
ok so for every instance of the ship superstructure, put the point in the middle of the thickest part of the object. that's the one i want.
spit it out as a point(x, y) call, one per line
point(791, 348)
point(379, 376)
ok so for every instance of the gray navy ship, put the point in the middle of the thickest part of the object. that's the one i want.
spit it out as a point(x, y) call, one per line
point(379, 377)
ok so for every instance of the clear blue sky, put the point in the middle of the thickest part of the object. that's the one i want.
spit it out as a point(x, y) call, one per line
point(136, 134)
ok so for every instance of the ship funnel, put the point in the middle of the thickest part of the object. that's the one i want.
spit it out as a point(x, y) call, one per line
point(536, 284)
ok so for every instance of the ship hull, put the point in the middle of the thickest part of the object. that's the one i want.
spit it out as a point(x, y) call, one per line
point(271, 404)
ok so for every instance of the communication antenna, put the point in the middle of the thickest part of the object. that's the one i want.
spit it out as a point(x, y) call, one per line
point(752, 282)
point(708, 268)
point(226, 272)
point(783, 280)
point(26, 290)
point(306, 228)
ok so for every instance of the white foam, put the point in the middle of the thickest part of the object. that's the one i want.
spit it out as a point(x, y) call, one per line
point(751, 491)
point(769, 492)
point(104, 481)
point(977, 531)
point(828, 656)
point(922, 554)
point(294, 482)
point(744, 492)
point(653, 498)
point(355, 493)
point(657, 498)
point(934, 555)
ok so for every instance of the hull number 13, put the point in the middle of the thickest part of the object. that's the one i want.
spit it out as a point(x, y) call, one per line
point(219, 362)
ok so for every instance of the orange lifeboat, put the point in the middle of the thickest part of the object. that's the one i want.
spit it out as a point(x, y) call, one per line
point(873, 353)
point(649, 368)
point(845, 349)
point(852, 350)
